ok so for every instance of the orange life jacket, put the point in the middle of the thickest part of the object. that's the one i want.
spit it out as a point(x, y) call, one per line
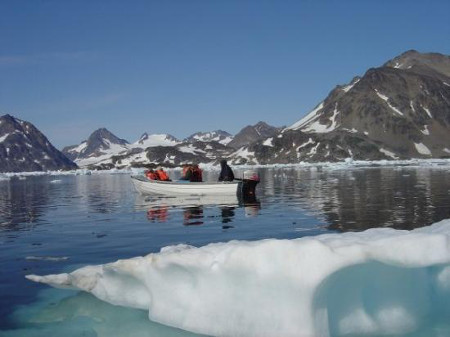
point(152, 176)
point(162, 175)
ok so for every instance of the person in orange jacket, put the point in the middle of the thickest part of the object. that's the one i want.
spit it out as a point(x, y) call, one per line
point(150, 174)
point(163, 176)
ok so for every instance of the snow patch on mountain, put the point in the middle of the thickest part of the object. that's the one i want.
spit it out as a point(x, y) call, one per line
point(268, 142)
point(427, 111)
point(386, 99)
point(422, 149)
point(154, 140)
point(351, 85)
point(317, 127)
point(219, 136)
point(425, 131)
point(388, 153)
point(310, 117)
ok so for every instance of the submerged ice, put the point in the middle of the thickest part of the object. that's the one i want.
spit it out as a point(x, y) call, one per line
point(378, 282)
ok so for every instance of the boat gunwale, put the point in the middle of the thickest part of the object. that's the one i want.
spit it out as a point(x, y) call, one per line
point(184, 183)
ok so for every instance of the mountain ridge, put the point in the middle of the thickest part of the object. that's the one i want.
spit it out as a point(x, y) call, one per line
point(23, 148)
point(399, 110)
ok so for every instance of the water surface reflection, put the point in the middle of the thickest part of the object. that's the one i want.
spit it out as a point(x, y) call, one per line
point(358, 199)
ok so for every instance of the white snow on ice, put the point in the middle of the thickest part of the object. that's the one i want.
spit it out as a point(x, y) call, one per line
point(380, 282)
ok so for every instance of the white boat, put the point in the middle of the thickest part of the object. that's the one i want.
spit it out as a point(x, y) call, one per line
point(145, 202)
point(180, 187)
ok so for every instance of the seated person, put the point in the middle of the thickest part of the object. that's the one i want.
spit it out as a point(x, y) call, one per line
point(187, 172)
point(197, 174)
point(162, 175)
point(226, 173)
point(192, 173)
point(150, 174)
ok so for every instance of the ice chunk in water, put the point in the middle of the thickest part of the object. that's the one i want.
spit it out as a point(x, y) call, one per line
point(381, 281)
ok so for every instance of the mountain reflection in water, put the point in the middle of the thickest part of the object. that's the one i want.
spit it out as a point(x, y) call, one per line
point(356, 199)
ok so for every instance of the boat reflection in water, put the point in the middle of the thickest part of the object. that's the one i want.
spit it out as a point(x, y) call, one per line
point(196, 208)
point(193, 216)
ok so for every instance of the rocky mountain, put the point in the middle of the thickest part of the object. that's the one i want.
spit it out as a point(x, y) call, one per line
point(400, 110)
point(169, 156)
point(104, 150)
point(23, 148)
point(253, 133)
point(100, 143)
point(219, 136)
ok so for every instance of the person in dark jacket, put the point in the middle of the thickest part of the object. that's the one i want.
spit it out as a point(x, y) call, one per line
point(226, 173)
point(187, 173)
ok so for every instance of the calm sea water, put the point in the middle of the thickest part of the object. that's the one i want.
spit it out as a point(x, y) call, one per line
point(53, 224)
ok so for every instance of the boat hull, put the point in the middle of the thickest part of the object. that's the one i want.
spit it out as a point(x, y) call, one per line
point(175, 188)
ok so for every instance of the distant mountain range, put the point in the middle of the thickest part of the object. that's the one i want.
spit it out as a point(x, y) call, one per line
point(400, 110)
point(104, 150)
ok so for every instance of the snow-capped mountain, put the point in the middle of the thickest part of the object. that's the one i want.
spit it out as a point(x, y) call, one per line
point(105, 150)
point(253, 133)
point(147, 140)
point(399, 110)
point(100, 145)
point(24, 148)
point(219, 136)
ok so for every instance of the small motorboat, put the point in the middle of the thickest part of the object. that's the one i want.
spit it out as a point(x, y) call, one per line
point(176, 188)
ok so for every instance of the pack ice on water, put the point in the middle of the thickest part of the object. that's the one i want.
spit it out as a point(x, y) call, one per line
point(381, 281)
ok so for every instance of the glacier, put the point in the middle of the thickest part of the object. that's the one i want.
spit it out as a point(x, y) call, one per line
point(377, 282)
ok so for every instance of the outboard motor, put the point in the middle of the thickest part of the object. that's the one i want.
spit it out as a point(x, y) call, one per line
point(249, 182)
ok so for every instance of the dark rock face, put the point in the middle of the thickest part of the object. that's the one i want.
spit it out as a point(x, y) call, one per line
point(400, 110)
point(23, 148)
point(98, 143)
point(253, 133)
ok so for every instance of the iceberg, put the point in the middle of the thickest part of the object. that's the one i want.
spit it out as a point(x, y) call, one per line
point(377, 282)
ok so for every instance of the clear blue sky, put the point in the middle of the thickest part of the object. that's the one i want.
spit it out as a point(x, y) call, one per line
point(182, 66)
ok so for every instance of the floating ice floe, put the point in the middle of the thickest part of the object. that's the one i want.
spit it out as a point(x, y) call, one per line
point(377, 282)
point(47, 258)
